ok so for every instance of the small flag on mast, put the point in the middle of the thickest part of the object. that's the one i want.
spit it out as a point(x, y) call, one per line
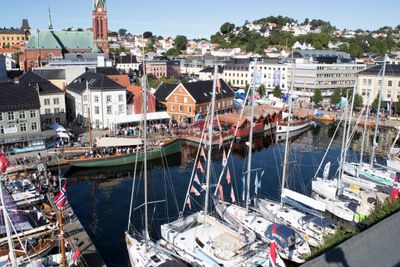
point(61, 197)
point(195, 191)
point(273, 247)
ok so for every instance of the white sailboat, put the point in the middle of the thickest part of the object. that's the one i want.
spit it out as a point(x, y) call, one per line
point(292, 245)
point(203, 240)
point(142, 251)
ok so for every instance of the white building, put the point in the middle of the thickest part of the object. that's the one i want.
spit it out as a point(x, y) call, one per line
point(236, 73)
point(97, 95)
point(127, 62)
point(272, 73)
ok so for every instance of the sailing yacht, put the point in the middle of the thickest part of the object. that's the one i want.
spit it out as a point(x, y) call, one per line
point(203, 240)
point(142, 251)
point(291, 246)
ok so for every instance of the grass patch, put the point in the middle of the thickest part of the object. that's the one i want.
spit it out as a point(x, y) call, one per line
point(380, 212)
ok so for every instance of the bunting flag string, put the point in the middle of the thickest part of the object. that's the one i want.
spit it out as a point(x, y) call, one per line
point(233, 195)
point(221, 192)
point(195, 191)
point(203, 154)
point(196, 179)
point(224, 159)
point(200, 167)
point(228, 176)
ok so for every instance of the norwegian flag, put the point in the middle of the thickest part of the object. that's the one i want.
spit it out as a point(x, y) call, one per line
point(273, 248)
point(3, 163)
point(61, 197)
point(200, 167)
point(395, 189)
point(228, 176)
point(76, 255)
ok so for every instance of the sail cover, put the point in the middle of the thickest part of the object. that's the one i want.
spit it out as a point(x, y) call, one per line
point(18, 219)
point(303, 202)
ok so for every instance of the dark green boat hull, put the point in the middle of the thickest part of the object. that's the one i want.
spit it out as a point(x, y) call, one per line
point(168, 149)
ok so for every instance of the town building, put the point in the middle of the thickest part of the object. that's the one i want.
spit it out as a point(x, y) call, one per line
point(15, 37)
point(189, 101)
point(127, 63)
point(369, 82)
point(272, 73)
point(95, 95)
point(163, 68)
point(321, 70)
point(48, 45)
point(236, 73)
point(19, 114)
point(208, 73)
point(52, 99)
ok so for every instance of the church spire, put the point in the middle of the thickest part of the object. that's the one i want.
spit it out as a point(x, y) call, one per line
point(50, 23)
point(96, 2)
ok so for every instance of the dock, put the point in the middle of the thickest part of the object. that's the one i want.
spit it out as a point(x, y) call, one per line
point(77, 236)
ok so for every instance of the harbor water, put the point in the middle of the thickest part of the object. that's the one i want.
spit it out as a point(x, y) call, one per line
point(101, 197)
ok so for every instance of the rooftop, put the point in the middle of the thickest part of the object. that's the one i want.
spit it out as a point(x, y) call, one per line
point(66, 40)
point(391, 70)
point(94, 81)
point(34, 80)
point(16, 97)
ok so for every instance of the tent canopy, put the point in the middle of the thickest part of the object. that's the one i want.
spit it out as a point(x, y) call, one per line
point(118, 141)
point(151, 116)
point(63, 135)
point(57, 127)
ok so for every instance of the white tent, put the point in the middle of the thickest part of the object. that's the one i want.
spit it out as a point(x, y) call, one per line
point(117, 141)
point(152, 116)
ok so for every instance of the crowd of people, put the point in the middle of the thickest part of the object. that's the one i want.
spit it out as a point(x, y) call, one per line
point(152, 128)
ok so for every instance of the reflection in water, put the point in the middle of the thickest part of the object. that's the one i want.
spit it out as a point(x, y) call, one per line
point(100, 197)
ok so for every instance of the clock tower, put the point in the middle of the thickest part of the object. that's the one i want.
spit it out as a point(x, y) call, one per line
point(100, 28)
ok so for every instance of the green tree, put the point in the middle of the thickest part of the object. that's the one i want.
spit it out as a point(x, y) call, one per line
point(336, 97)
point(374, 104)
point(147, 35)
point(152, 81)
point(277, 92)
point(358, 101)
point(172, 52)
point(261, 90)
point(227, 27)
point(180, 42)
point(317, 97)
point(397, 106)
point(122, 32)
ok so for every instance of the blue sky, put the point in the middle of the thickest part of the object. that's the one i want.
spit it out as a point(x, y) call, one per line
point(199, 18)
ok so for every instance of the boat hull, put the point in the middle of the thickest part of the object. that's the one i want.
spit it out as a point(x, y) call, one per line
point(168, 149)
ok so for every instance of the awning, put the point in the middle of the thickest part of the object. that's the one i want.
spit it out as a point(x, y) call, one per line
point(57, 127)
point(152, 116)
point(63, 135)
point(118, 141)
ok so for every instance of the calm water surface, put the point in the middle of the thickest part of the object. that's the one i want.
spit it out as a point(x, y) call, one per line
point(101, 197)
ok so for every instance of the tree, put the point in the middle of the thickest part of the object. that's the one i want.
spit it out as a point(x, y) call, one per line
point(180, 42)
point(147, 35)
point(227, 27)
point(122, 32)
point(152, 81)
point(358, 101)
point(374, 104)
point(172, 52)
point(336, 97)
point(277, 92)
point(261, 90)
point(317, 98)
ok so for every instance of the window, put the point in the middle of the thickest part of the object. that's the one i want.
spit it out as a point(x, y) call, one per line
point(22, 114)
point(58, 120)
point(33, 113)
point(189, 109)
point(46, 101)
point(56, 110)
point(364, 82)
point(120, 109)
point(120, 98)
point(22, 127)
point(85, 98)
point(1, 129)
point(369, 81)
point(172, 107)
point(219, 104)
point(389, 94)
point(180, 108)
point(185, 99)
point(108, 98)
point(10, 116)
point(56, 101)
point(109, 110)
point(379, 82)
point(390, 83)
point(176, 98)
point(200, 109)
point(47, 111)
point(1, 116)
point(96, 99)
point(97, 110)
point(34, 126)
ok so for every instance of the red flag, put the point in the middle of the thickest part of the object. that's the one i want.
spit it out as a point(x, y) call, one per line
point(75, 256)
point(395, 190)
point(189, 203)
point(273, 247)
point(196, 179)
point(3, 163)
point(200, 167)
point(203, 154)
point(228, 176)
point(233, 195)
point(221, 193)
point(194, 190)
point(61, 197)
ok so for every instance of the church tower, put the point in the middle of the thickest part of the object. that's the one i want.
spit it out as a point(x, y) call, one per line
point(100, 28)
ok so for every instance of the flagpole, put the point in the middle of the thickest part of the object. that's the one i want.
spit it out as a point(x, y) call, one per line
point(62, 240)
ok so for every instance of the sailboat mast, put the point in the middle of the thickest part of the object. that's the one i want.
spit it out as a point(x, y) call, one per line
point(89, 117)
point(7, 225)
point(144, 111)
point(342, 161)
point(371, 164)
point(286, 155)
point(365, 128)
point(251, 137)
point(210, 135)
